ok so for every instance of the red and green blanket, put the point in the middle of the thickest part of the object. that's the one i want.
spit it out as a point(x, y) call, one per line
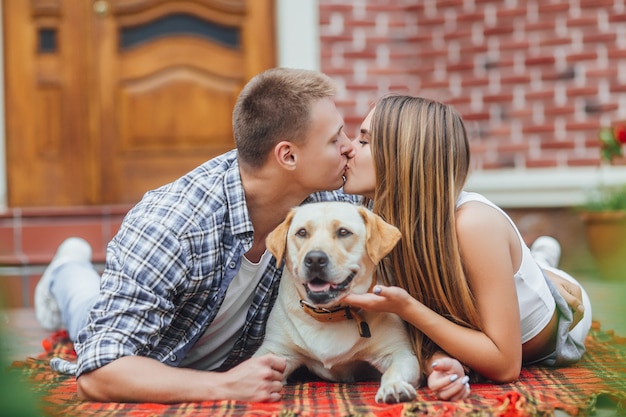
point(599, 379)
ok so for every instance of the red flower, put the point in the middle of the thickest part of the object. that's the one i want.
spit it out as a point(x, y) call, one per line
point(620, 133)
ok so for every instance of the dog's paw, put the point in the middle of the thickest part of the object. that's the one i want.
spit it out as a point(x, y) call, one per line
point(395, 392)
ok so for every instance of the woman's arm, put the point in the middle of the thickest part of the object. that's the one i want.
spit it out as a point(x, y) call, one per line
point(487, 242)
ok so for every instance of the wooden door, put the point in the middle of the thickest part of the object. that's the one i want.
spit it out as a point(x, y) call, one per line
point(108, 99)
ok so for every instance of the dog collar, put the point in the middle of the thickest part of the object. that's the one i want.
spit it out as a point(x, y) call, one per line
point(336, 314)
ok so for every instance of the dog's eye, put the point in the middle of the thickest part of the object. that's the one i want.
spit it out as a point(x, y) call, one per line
point(343, 232)
point(302, 232)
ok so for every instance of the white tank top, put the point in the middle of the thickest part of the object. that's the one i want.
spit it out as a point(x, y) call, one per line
point(536, 304)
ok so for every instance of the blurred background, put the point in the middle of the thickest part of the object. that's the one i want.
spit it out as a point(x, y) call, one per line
point(103, 100)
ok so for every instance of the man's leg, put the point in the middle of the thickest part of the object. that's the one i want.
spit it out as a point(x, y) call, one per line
point(68, 288)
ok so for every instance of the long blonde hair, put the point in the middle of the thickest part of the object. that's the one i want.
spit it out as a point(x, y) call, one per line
point(421, 156)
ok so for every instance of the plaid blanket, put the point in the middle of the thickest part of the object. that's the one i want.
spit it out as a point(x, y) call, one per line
point(577, 390)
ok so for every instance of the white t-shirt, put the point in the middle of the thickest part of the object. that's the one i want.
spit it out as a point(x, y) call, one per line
point(214, 346)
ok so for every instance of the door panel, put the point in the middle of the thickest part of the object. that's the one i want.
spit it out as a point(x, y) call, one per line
point(106, 100)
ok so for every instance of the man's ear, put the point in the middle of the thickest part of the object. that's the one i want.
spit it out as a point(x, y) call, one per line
point(276, 241)
point(285, 154)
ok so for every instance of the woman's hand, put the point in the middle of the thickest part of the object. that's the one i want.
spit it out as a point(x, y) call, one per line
point(573, 295)
point(447, 379)
point(382, 298)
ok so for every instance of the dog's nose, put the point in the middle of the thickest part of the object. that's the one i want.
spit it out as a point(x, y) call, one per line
point(316, 260)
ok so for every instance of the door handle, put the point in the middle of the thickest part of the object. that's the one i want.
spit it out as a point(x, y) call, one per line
point(101, 7)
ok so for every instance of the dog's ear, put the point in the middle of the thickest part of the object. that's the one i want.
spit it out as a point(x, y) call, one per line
point(276, 241)
point(381, 236)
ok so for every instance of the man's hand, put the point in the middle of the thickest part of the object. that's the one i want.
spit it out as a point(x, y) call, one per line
point(257, 379)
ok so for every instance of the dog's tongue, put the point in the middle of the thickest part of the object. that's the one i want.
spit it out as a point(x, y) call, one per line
point(318, 285)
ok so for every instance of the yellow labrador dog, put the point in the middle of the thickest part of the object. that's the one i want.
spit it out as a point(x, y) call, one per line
point(330, 250)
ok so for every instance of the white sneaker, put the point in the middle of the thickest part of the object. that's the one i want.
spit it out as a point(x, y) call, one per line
point(546, 250)
point(46, 308)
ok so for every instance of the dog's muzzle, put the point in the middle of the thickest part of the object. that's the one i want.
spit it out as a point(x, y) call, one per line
point(318, 289)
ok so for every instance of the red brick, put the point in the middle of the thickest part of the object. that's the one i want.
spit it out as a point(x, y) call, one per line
point(462, 66)
point(331, 7)
point(553, 8)
point(540, 60)
point(617, 17)
point(589, 127)
point(512, 45)
point(500, 164)
point(386, 7)
point(468, 18)
point(541, 163)
point(555, 41)
point(582, 56)
point(585, 21)
point(618, 88)
point(497, 98)
point(595, 4)
point(537, 128)
point(474, 82)
point(498, 30)
point(551, 110)
point(582, 162)
point(457, 34)
point(582, 91)
point(515, 79)
point(599, 37)
point(511, 147)
point(557, 144)
point(335, 38)
point(476, 116)
point(540, 95)
point(351, 86)
point(603, 73)
point(558, 75)
point(616, 54)
point(7, 237)
point(429, 22)
point(544, 25)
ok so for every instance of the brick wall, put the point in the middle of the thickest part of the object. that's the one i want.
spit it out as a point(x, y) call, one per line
point(533, 79)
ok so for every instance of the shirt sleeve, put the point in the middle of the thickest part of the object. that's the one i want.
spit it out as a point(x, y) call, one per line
point(144, 270)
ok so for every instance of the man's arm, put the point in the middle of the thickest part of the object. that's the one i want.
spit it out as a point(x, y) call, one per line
point(141, 379)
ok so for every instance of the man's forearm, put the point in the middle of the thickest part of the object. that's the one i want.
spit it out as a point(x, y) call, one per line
point(141, 379)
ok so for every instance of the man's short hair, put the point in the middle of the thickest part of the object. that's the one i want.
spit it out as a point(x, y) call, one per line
point(275, 106)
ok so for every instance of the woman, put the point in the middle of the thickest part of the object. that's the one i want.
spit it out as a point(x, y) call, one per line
point(462, 265)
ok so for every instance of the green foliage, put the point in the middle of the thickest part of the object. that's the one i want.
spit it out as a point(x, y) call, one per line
point(17, 398)
point(607, 198)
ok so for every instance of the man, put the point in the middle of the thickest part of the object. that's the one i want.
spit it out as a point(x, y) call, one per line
point(188, 283)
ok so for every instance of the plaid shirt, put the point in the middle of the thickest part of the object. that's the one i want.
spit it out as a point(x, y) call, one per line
point(168, 269)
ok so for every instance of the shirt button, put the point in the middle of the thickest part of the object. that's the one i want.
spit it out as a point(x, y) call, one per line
point(232, 265)
point(172, 357)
